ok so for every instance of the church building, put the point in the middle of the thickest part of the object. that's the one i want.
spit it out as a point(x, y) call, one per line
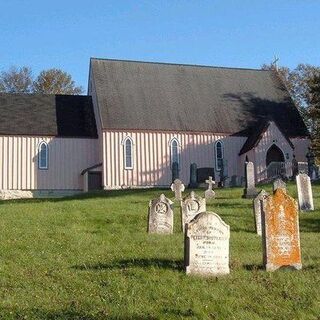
point(138, 119)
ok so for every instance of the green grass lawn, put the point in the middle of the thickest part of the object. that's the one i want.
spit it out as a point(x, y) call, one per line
point(90, 257)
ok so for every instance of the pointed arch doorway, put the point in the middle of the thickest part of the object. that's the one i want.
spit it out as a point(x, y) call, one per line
point(274, 154)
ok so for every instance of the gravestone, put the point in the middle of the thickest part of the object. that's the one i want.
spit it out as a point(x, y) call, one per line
point(234, 181)
point(160, 218)
point(257, 208)
point(193, 176)
point(280, 232)
point(177, 187)
point(207, 245)
point(190, 207)
point(175, 171)
point(203, 174)
point(305, 196)
point(279, 183)
point(295, 167)
point(250, 190)
point(311, 161)
point(223, 174)
point(209, 193)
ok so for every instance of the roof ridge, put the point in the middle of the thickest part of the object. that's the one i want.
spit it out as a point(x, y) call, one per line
point(177, 64)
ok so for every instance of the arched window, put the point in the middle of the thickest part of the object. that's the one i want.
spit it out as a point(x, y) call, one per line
point(219, 155)
point(128, 158)
point(175, 157)
point(43, 155)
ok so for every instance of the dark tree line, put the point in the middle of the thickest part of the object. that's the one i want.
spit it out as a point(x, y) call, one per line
point(51, 81)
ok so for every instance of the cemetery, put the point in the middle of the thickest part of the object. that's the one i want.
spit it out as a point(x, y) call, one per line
point(164, 254)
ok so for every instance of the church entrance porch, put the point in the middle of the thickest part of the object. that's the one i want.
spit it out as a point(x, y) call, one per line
point(275, 162)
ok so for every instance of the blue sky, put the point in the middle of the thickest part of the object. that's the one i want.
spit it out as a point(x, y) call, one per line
point(243, 33)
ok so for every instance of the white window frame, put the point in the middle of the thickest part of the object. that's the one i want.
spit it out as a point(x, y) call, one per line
point(216, 153)
point(171, 151)
point(39, 156)
point(124, 143)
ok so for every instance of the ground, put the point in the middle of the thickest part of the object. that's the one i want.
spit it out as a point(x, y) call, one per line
point(90, 258)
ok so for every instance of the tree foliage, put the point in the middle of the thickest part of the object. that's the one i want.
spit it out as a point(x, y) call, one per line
point(55, 81)
point(314, 111)
point(52, 81)
point(16, 80)
point(298, 82)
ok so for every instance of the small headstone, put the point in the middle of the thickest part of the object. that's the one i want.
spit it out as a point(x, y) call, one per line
point(193, 176)
point(209, 193)
point(279, 183)
point(223, 174)
point(257, 208)
point(305, 197)
point(234, 181)
point(175, 171)
point(207, 245)
point(177, 187)
point(280, 232)
point(160, 218)
point(311, 159)
point(250, 190)
point(295, 166)
point(190, 207)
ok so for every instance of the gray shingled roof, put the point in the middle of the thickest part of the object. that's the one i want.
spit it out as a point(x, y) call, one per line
point(160, 96)
point(47, 115)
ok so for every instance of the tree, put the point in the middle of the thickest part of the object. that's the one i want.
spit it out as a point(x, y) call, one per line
point(297, 82)
point(314, 111)
point(16, 80)
point(55, 81)
point(283, 72)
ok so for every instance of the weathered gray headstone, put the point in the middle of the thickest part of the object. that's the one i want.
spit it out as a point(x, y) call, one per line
point(279, 183)
point(175, 171)
point(234, 181)
point(193, 176)
point(250, 190)
point(207, 245)
point(160, 218)
point(295, 166)
point(257, 209)
point(305, 196)
point(191, 205)
point(209, 193)
point(177, 187)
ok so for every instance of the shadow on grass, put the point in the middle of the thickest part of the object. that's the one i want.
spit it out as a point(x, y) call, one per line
point(253, 267)
point(310, 224)
point(105, 194)
point(177, 265)
point(67, 314)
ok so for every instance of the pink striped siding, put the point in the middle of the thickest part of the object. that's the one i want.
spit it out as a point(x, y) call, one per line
point(67, 158)
point(151, 156)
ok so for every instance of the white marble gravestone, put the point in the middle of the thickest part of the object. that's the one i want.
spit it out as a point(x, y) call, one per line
point(177, 187)
point(305, 196)
point(257, 209)
point(250, 190)
point(279, 183)
point(209, 193)
point(191, 205)
point(207, 245)
point(160, 218)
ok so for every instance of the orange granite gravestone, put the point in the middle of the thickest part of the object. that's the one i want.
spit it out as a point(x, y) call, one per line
point(280, 232)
